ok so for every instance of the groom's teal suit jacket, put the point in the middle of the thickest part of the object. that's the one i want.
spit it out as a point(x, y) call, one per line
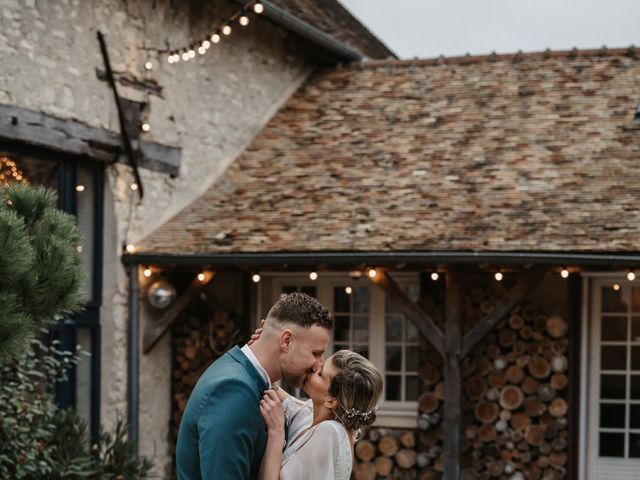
point(222, 435)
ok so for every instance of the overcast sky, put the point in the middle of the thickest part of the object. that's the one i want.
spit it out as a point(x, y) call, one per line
point(429, 28)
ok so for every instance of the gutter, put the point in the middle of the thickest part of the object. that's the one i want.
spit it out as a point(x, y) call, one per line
point(350, 259)
point(283, 18)
point(133, 357)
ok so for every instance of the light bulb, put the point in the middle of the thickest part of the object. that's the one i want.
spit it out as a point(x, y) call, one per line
point(255, 278)
point(313, 276)
point(185, 56)
point(243, 20)
point(498, 276)
point(226, 30)
point(79, 188)
point(435, 276)
point(348, 290)
point(134, 186)
point(564, 273)
point(631, 276)
point(616, 287)
point(79, 249)
point(372, 273)
point(215, 38)
point(202, 50)
point(192, 53)
point(258, 8)
point(206, 44)
point(148, 65)
point(130, 248)
point(145, 127)
point(170, 59)
point(201, 277)
point(147, 272)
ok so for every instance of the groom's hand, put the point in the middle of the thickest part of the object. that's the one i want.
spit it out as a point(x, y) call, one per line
point(256, 335)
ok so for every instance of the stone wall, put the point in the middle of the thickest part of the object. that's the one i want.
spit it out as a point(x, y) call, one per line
point(211, 108)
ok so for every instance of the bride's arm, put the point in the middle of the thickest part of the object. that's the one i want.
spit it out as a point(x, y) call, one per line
point(273, 415)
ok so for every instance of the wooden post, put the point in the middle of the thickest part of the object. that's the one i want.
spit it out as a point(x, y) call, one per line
point(452, 378)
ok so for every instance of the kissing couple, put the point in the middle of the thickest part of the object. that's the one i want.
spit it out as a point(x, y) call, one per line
point(238, 425)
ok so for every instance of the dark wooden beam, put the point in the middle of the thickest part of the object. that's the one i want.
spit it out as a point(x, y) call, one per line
point(524, 286)
point(423, 322)
point(71, 137)
point(452, 378)
point(155, 330)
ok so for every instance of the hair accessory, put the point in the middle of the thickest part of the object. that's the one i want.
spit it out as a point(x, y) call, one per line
point(354, 413)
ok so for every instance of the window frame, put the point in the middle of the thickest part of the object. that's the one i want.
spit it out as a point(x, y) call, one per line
point(399, 414)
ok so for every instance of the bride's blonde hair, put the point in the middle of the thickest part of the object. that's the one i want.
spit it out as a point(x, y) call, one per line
point(357, 387)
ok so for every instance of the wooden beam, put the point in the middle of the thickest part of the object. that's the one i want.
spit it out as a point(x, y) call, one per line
point(155, 330)
point(524, 286)
point(423, 322)
point(71, 137)
point(452, 378)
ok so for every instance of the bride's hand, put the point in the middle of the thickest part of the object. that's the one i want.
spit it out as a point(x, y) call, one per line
point(272, 413)
point(256, 335)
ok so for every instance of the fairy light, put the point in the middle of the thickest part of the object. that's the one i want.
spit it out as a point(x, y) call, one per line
point(130, 248)
point(147, 272)
point(348, 290)
point(134, 186)
point(631, 276)
point(313, 275)
point(372, 273)
point(79, 188)
point(255, 278)
point(201, 277)
point(215, 38)
point(258, 8)
point(226, 30)
point(435, 276)
point(498, 276)
point(564, 273)
point(243, 20)
point(202, 50)
point(145, 127)
point(148, 65)
point(616, 287)
point(185, 56)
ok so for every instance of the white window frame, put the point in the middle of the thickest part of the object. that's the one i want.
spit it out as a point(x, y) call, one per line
point(591, 466)
point(399, 414)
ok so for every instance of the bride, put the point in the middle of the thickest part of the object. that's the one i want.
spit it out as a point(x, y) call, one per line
point(342, 398)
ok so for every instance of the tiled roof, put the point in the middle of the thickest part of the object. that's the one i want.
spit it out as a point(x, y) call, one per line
point(332, 18)
point(537, 152)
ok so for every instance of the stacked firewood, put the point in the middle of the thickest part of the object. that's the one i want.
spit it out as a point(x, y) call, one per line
point(515, 408)
point(386, 453)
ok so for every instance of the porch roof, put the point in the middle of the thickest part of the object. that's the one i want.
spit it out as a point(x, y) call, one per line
point(516, 153)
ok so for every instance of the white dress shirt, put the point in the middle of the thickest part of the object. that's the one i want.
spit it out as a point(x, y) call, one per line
point(254, 361)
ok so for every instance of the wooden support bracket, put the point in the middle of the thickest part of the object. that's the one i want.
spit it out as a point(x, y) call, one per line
point(155, 330)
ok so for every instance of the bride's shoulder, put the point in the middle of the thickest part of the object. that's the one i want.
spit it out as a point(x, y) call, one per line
point(333, 427)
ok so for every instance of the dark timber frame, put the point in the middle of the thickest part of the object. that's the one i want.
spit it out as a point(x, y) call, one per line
point(453, 347)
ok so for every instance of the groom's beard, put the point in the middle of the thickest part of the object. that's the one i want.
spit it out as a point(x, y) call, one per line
point(296, 381)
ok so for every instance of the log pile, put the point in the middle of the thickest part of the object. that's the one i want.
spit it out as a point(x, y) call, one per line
point(386, 453)
point(199, 338)
point(515, 389)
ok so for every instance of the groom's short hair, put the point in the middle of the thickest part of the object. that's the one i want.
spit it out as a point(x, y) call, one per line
point(301, 309)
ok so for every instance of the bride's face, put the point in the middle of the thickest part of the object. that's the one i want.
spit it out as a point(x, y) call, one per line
point(317, 383)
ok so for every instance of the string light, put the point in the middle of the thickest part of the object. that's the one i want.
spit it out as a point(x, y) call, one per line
point(215, 38)
point(631, 276)
point(201, 277)
point(255, 278)
point(348, 290)
point(145, 127)
point(258, 8)
point(313, 275)
point(134, 186)
point(372, 273)
point(130, 248)
point(243, 20)
point(147, 272)
point(435, 276)
point(202, 50)
point(79, 188)
point(564, 273)
point(498, 276)
point(226, 30)
point(616, 287)
point(148, 65)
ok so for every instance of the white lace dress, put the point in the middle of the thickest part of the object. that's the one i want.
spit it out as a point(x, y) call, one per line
point(321, 452)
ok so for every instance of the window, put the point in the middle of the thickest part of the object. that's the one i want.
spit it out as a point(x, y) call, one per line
point(79, 187)
point(614, 420)
point(367, 323)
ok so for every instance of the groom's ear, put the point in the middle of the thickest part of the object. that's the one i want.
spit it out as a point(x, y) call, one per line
point(286, 338)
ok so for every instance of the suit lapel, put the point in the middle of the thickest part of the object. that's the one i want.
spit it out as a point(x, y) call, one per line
point(242, 359)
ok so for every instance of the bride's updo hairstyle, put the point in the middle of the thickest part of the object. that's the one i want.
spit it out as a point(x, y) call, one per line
point(357, 387)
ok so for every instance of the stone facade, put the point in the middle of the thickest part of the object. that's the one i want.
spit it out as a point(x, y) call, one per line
point(210, 108)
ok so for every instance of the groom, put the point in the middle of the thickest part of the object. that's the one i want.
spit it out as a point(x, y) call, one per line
point(222, 435)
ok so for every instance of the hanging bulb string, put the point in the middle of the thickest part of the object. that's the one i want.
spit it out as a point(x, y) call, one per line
point(200, 47)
